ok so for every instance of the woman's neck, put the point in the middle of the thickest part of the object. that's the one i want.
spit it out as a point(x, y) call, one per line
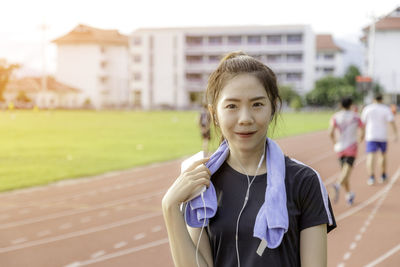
point(247, 162)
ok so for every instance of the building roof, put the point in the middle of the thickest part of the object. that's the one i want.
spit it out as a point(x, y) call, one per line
point(232, 28)
point(86, 34)
point(388, 22)
point(325, 42)
point(34, 85)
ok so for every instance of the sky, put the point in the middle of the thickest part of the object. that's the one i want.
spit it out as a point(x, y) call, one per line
point(21, 38)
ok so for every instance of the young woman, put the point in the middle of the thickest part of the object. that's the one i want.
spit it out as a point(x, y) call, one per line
point(261, 208)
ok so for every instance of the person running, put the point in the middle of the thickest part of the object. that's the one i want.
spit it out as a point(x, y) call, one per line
point(204, 123)
point(376, 117)
point(261, 208)
point(346, 123)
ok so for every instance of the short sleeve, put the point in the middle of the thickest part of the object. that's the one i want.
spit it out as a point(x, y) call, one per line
point(389, 115)
point(364, 115)
point(313, 210)
point(359, 122)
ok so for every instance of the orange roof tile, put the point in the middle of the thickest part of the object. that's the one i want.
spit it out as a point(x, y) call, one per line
point(324, 42)
point(34, 85)
point(86, 34)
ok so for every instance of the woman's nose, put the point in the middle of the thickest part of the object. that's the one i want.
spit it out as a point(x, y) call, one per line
point(245, 116)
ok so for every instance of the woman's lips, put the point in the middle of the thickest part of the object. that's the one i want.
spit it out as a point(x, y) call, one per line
point(246, 135)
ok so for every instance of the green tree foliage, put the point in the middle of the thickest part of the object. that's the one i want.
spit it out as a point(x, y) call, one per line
point(351, 73)
point(328, 91)
point(287, 94)
point(5, 74)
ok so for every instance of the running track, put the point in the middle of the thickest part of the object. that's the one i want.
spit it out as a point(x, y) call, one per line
point(115, 219)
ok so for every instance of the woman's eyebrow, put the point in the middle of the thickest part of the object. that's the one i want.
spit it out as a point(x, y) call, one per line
point(251, 99)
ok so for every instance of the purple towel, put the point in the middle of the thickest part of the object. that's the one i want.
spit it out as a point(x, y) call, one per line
point(272, 219)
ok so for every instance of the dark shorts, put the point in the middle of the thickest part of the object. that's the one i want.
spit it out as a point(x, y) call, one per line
point(346, 159)
point(373, 146)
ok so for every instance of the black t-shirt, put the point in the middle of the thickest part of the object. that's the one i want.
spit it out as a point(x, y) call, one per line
point(305, 209)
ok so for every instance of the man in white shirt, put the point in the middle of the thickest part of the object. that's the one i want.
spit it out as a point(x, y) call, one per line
point(376, 117)
point(343, 129)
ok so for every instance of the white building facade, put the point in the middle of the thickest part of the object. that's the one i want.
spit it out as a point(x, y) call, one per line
point(382, 56)
point(96, 62)
point(329, 57)
point(170, 67)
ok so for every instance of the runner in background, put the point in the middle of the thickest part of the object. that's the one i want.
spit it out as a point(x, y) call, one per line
point(204, 123)
point(376, 117)
point(343, 132)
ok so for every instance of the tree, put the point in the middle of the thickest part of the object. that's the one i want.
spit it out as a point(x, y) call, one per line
point(330, 90)
point(5, 74)
point(288, 94)
point(351, 73)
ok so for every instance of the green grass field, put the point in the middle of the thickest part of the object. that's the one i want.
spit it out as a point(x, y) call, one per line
point(46, 146)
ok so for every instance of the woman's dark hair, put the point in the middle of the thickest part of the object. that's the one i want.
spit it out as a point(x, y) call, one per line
point(236, 63)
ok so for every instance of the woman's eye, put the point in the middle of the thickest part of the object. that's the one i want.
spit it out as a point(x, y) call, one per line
point(231, 106)
point(258, 104)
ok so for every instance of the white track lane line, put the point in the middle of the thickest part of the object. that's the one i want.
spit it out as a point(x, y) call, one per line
point(365, 203)
point(120, 245)
point(384, 256)
point(120, 253)
point(81, 232)
point(79, 195)
point(139, 236)
point(364, 228)
point(75, 212)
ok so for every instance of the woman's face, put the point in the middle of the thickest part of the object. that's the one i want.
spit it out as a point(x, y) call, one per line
point(243, 113)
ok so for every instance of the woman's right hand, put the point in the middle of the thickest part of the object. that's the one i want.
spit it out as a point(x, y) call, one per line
point(191, 180)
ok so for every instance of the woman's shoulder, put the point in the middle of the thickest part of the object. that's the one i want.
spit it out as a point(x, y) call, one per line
point(299, 171)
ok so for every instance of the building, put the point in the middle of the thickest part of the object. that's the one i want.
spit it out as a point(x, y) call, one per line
point(95, 61)
point(329, 57)
point(55, 95)
point(382, 57)
point(170, 66)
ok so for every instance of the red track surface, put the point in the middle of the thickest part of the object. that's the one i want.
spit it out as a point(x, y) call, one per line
point(115, 219)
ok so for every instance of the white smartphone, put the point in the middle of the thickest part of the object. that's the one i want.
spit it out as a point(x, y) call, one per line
point(185, 164)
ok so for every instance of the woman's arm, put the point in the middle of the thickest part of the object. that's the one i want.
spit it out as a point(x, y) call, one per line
point(183, 240)
point(313, 246)
point(182, 243)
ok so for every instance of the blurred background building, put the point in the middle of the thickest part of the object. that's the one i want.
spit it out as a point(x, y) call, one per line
point(170, 66)
point(329, 59)
point(382, 54)
point(96, 62)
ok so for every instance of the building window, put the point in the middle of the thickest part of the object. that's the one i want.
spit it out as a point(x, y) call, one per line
point(103, 79)
point(137, 98)
point(234, 39)
point(137, 58)
point(136, 41)
point(103, 64)
point(294, 38)
point(329, 56)
point(215, 40)
point(274, 39)
point(213, 58)
point(294, 76)
point(294, 57)
point(137, 76)
point(328, 71)
point(194, 59)
point(254, 39)
point(193, 77)
point(274, 58)
point(194, 40)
